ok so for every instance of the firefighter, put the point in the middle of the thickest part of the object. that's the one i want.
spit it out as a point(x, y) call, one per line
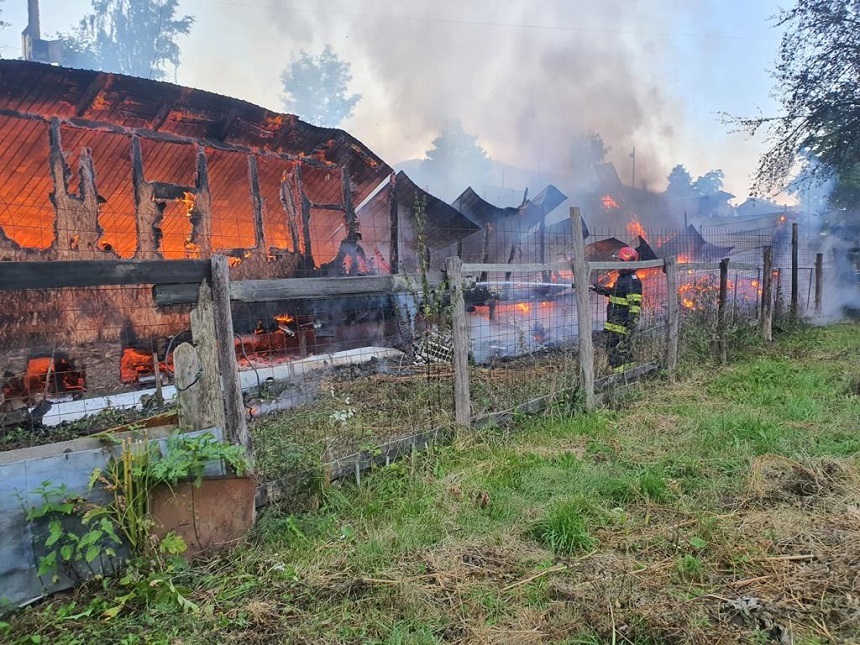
point(622, 311)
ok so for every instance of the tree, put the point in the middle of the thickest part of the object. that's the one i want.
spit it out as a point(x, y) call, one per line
point(586, 151)
point(455, 161)
point(816, 81)
point(135, 37)
point(710, 183)
point(315, 88)
point(680, 183)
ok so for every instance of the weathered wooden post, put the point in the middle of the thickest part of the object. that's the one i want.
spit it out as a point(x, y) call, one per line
point(460, 333)
point(795, 247)
point(819, 280)
point(235, 428)
point(582, 278)
point(721, 311)
point(673, 311)
point(205, 359)
point(777, 301)
point(195, 401)
point(766, 309)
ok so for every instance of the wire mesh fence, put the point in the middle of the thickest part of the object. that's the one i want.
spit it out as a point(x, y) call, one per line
point(327, 377)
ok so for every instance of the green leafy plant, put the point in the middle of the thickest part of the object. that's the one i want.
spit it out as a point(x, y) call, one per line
point(78, 534)
point(186, 458)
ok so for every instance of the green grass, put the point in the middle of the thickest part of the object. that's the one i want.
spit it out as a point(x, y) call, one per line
point(625, 525)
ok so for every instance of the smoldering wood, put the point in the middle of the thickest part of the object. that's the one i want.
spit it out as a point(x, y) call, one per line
point(460, 334)
point(766, 309)
point(301, 288)
point(201, 224)
point(582, 276)
point(148, 214)
point(211, 411)
point(673, 312)
point(76, 224)
point(19, 276)
point(721, 311)
point(235, 426)
point(256, 205)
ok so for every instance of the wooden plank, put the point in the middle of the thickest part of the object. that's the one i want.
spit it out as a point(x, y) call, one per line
point(766, 309)
point(460, 323)
point(721, 311)
point(819, 280)
point(301, 288)
point(715, 266)
point(674, 314)
point(235, 427)
point(635, 266)
point(92, 273)
point(473, 267)
point(582, 278)
point(211, 412)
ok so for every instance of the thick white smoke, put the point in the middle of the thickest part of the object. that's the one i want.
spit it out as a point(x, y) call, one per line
point(525, 76)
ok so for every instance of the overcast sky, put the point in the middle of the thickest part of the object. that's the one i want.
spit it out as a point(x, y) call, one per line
point(525, 76)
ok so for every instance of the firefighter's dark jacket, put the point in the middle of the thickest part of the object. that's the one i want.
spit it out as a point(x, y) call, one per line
point(625, 302)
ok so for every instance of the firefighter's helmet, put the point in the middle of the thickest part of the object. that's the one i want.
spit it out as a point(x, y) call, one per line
point(627, 254)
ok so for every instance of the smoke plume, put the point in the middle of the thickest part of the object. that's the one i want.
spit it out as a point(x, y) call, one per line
point(526, 77)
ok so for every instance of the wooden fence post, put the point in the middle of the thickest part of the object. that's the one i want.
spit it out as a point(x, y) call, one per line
point(795, 247)
point(194, 399)
point(235, 428)
point(582, 278)
point(206, 343)
point(766, 309)
point(460, 333)
point(819, 280)
point(673, 311)
point(721, 311)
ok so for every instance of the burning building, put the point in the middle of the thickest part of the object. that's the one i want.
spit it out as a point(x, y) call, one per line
point(102, 166)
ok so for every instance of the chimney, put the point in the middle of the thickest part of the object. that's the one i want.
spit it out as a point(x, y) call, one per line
point(33, 48)
point(33, 33)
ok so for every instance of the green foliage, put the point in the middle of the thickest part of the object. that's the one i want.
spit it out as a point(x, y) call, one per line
point(187, 457)
point(136, 38)
point(315, 88)
point(81, 540)
point(815, 80)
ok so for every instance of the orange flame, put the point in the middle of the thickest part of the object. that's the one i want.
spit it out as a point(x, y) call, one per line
point(635, 228)
point(608, 202)
point(523, 307)
point(683, 259)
